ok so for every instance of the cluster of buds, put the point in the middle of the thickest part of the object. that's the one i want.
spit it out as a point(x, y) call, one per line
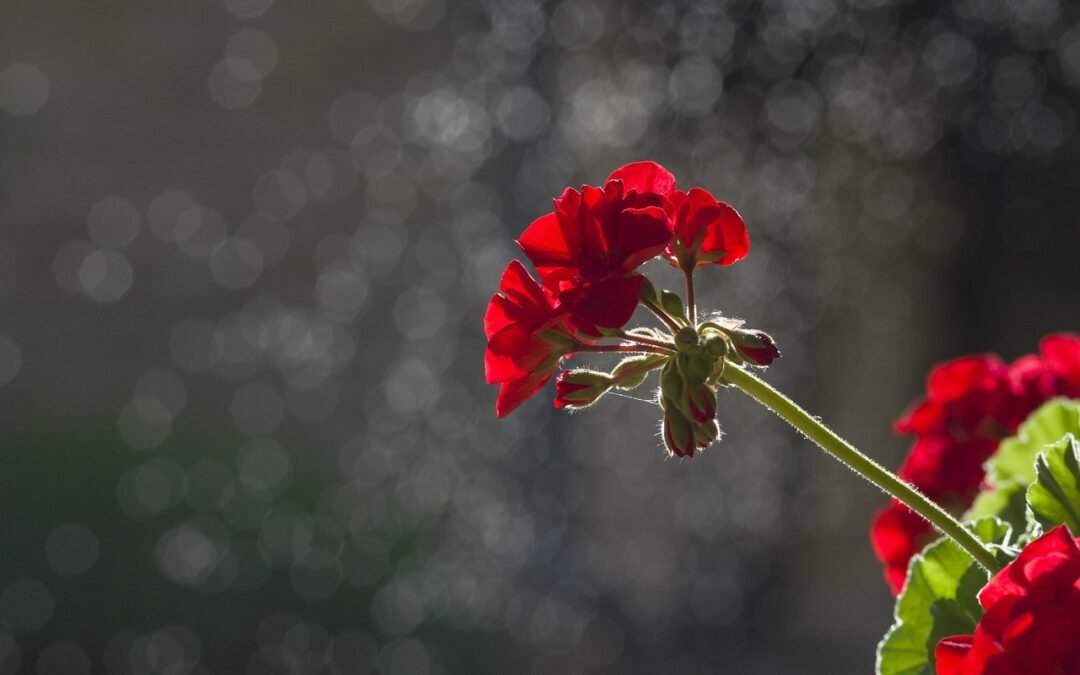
point(587, 254)
point(690, 372)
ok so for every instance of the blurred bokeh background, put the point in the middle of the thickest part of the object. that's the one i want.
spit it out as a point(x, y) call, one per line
point(245, 248)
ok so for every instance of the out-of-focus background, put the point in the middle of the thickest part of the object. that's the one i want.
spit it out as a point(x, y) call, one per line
point(245, 248)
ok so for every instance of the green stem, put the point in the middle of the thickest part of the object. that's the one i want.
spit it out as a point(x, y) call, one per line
point(641, 339)
point(817, 432)
point(662, 315)
point(624, 347)
point(691, 309)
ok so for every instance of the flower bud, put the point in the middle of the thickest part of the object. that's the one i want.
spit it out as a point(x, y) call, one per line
point(648, 292)
point(678, 432)
point(671, 384)
point(577, 389)
point(754, 345)
point(686, 338)
point(706, 433)
point(696, 367)
point(700, 402)
point(673, 305)
point(716, 345)
point(631, 371)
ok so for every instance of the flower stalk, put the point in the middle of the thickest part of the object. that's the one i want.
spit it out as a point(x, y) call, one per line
point(876, 474)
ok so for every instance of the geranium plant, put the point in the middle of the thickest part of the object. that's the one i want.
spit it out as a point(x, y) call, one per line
point(983, 559)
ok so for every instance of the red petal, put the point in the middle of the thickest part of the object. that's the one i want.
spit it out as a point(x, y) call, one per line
point(524, 291)
point(1062, 353)
point(726, 235)
point(1015, 578)
point(512, 394)
point(641, 235)
point(550, 243)
point(950, 652)
point(606, 304)
point(645, 177)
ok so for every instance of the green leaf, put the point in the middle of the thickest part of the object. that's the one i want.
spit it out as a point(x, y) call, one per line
point(1011, 469)
point(1014, 460)
point(1054, 497)
point(938, 600)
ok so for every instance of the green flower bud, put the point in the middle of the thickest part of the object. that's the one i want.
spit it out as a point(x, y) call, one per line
point(686, 338)
point(632, 371)
point(648, 292)
point(673, 305)
point(671, 384)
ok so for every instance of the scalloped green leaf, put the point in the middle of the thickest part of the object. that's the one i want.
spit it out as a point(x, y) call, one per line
point(1054, 498)
point(1011, 469)
point(939, 599)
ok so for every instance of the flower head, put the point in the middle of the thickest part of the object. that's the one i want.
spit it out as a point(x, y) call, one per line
point(1032, 616)
point(705, 231)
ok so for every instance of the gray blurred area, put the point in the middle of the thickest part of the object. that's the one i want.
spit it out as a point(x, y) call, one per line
point(245, 249)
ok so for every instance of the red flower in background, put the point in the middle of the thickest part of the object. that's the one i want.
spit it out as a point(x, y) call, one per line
point(526, 340)
point(587, 250)
point(1032, 618)
point(971, 404)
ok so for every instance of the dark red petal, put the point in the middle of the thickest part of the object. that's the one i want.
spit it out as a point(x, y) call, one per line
point(640, 236)
point(950, 652)
point(645, 177)
point(606, 304)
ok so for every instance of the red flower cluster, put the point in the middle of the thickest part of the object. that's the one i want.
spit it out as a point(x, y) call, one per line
point(1032, 618)
point(971, 404)
point(586, 254)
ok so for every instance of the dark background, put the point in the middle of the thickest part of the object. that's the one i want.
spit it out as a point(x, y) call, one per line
point(245, 248)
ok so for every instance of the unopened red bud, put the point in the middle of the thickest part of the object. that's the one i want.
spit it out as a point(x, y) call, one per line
point(755, 346)
point(576, 389)
point(706, 433)
point(678, 432)
point(700, 402)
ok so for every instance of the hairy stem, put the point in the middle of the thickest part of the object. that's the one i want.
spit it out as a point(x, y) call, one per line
point(884, 479)
point(660, 314)
point(691, 308)
point(624, 347)
point(640, 339)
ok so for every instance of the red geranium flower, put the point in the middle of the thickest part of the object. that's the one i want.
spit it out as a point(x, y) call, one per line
point(1032, 618)
point(587, 250)
point(971, 404)
point(526, 340)
point(705, 231)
